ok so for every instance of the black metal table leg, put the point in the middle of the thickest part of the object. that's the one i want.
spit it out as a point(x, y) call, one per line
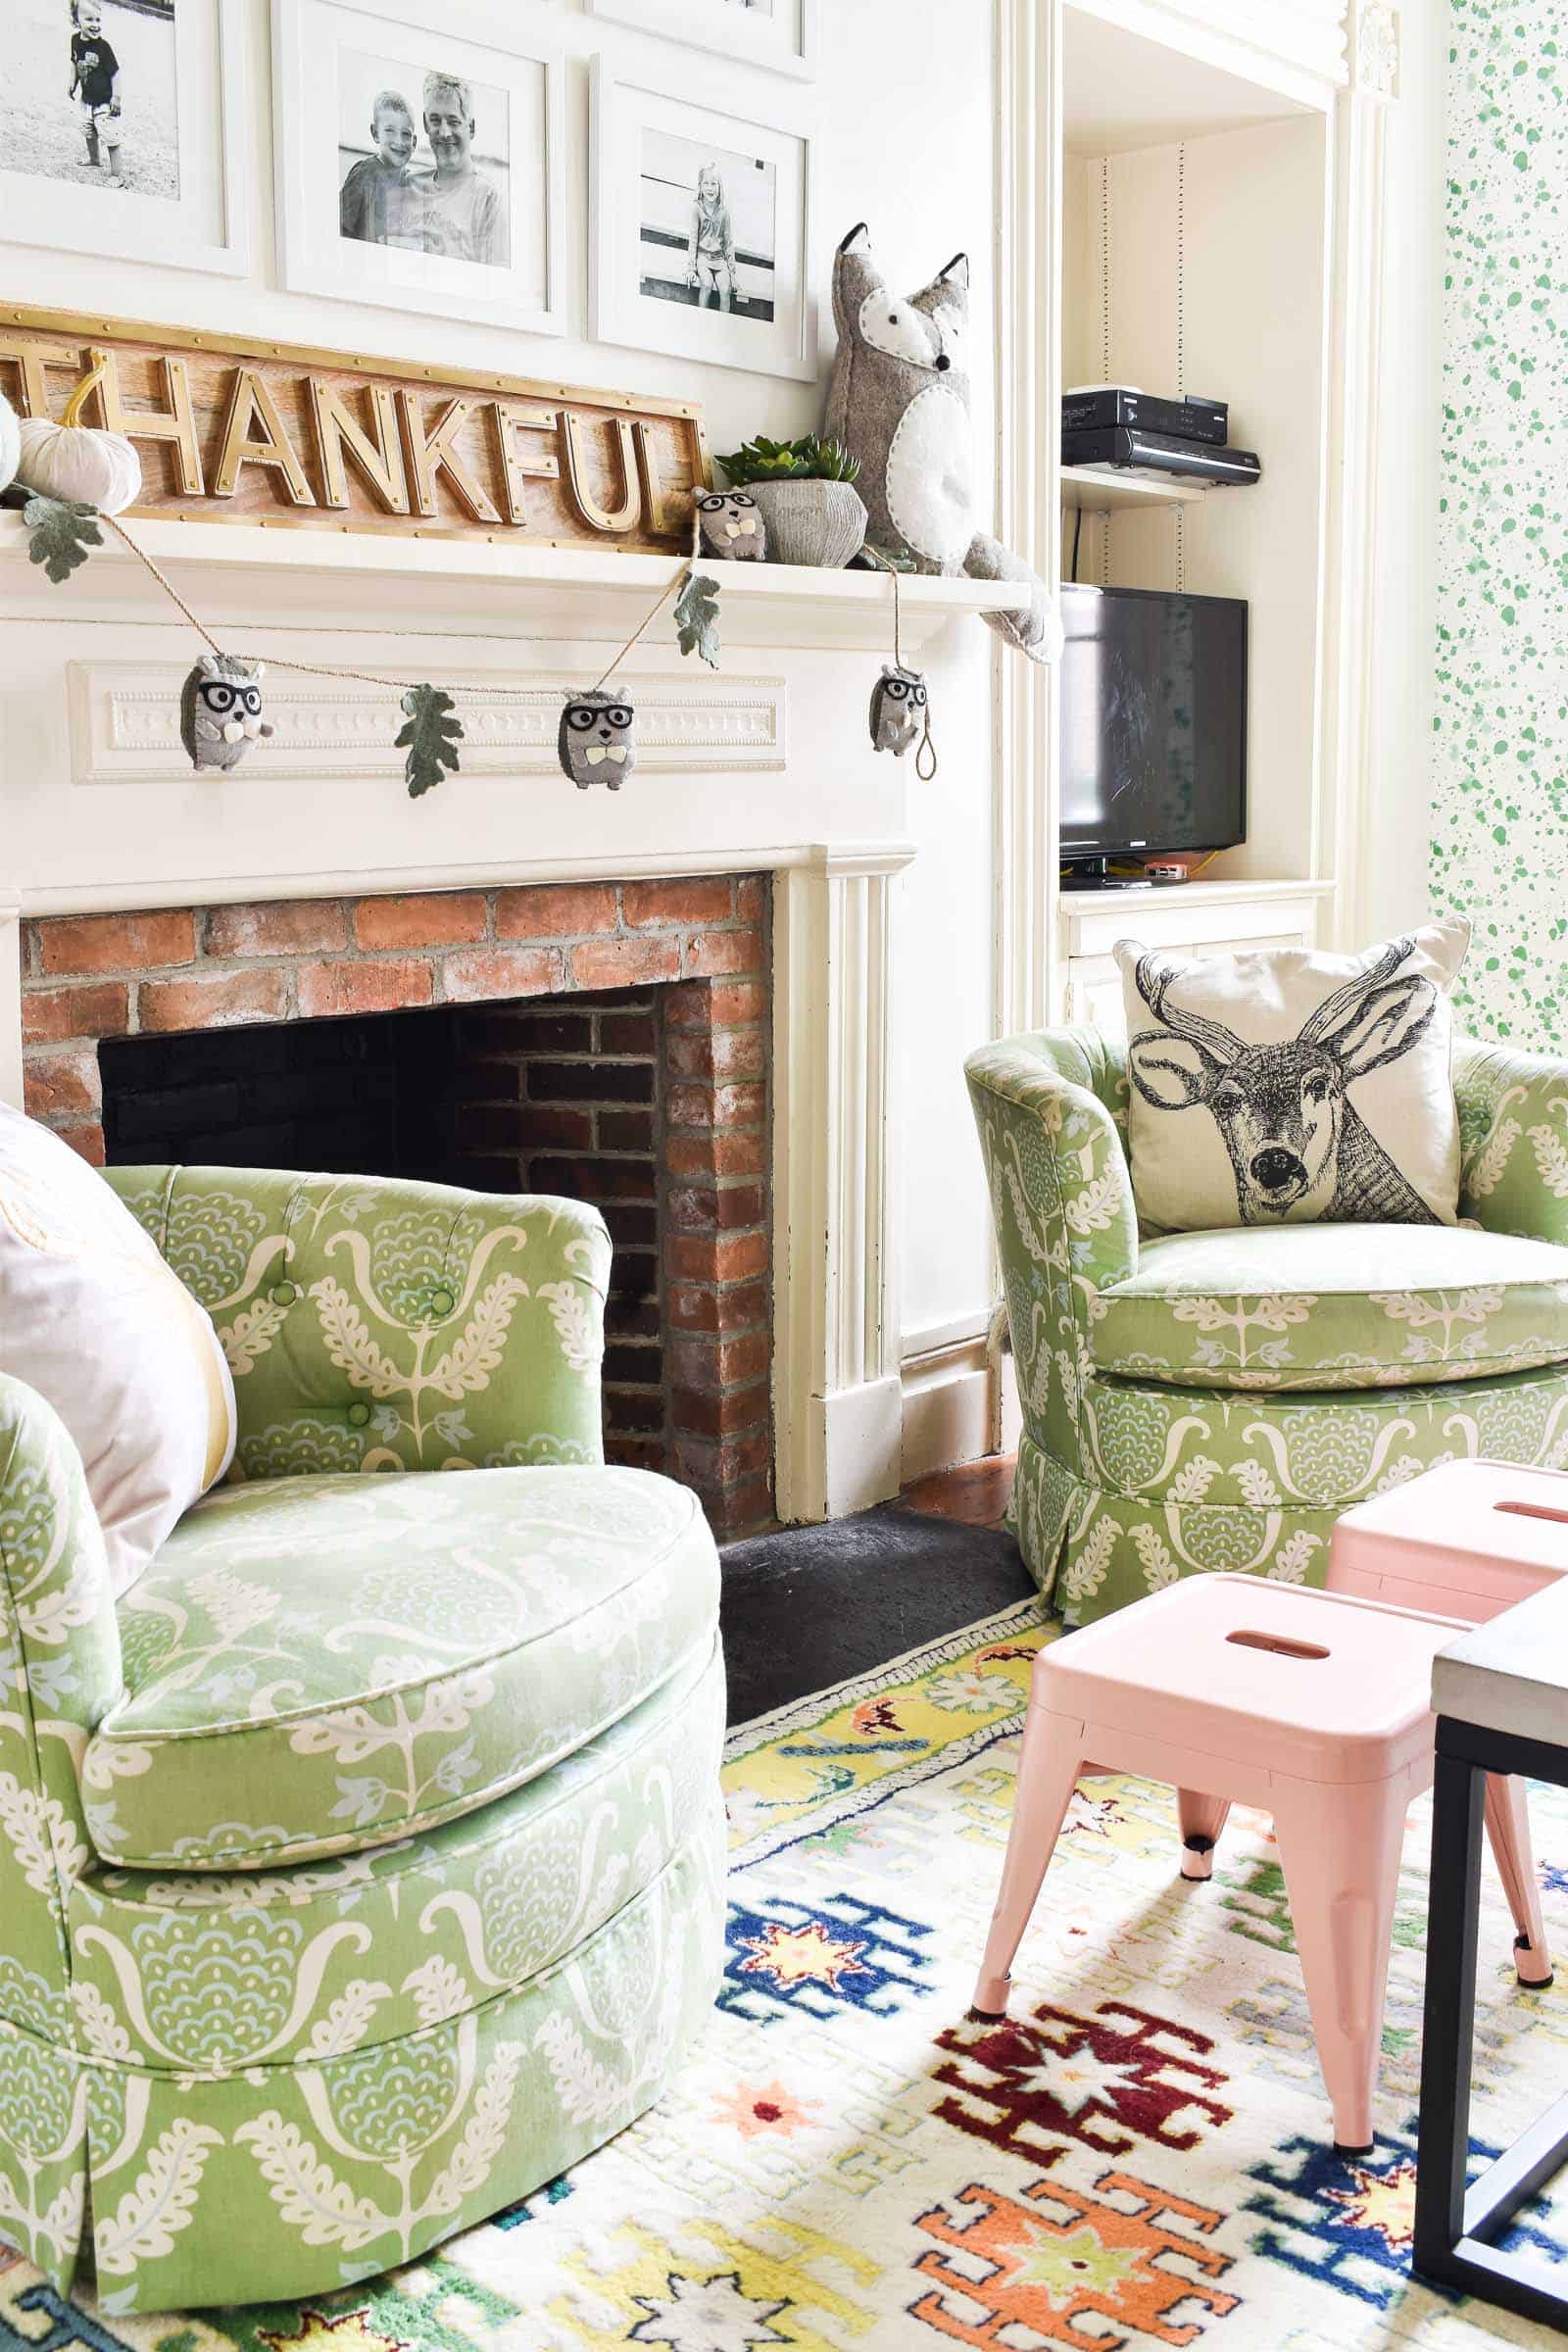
point(1453, 1903)
point(1453, 2226)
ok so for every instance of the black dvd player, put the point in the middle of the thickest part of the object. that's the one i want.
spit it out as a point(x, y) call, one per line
point(1192, 419)
point(1159, 453)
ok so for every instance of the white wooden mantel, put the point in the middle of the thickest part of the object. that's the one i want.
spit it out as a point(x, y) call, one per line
point(764, 766)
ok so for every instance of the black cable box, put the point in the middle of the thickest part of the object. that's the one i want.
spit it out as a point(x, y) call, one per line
point(1159, 453)
point(1193, 418)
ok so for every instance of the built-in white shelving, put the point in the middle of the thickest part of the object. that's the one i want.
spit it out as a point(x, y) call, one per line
point(1105, 489)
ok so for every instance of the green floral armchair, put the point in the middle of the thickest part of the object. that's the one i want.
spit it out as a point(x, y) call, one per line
point(365, 1868)
point(1214, 1400)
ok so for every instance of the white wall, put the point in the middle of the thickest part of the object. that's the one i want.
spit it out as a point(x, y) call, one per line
point(905, 130)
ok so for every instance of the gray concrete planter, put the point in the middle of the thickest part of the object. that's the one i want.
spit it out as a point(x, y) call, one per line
point(822, 523)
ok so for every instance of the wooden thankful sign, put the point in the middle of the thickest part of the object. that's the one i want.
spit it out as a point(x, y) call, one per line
point(238, 431)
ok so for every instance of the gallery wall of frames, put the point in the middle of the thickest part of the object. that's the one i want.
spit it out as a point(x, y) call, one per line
point(428, 170)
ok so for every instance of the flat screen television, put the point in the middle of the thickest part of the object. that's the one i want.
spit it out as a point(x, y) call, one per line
point(1154, 725)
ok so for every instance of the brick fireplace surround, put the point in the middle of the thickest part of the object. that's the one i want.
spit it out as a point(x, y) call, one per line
point(701, 944)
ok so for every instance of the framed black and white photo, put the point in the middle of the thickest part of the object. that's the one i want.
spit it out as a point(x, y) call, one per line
point(420, 159)
point(123, 131)
point(700, 231)
point(778, 33)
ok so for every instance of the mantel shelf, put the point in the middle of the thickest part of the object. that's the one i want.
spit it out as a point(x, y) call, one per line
point(237, 573)
point(1103, 489)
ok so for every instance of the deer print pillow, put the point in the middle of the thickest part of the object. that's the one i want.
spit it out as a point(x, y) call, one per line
point(1282, 1083)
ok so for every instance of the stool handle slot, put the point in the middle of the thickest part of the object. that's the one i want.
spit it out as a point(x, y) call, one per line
point(1279, 1644)
point(1532, 1510)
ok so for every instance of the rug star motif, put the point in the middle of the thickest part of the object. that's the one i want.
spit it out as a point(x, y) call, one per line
point(1382, 2202)
point(755, 2109)
point(806, 1955)
point(1067, 2267)
point(707, 2315)
point(319, 2331)
point(1076, 2083)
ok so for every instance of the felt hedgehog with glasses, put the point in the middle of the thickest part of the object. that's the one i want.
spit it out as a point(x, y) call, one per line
point(221, 710)
point(597, 739)
point(730, 524)
point(899, 401)
point(898, 705)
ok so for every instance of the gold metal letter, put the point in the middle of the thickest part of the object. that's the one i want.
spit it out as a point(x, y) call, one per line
point(520, 467)
point(29, 358)
point(248, 403)
point(433, 453)
point(602, 519)
point(173, 423)
point(379, 461)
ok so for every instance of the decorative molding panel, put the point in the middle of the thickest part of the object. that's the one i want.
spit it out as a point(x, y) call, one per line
point(124, 726)
point(1375, 61)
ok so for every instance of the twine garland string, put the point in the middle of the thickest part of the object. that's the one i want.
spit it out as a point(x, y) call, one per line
point(401, 686)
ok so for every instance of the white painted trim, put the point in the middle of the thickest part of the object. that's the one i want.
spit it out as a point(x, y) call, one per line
point(1352, 674)
point(1028, 255)
point(836, 1375)
point(11, 1005)
point(610, 865)
point(1294, 48)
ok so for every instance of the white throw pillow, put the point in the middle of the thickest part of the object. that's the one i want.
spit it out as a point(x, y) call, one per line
point(93, 1320)
point(1282, 1083)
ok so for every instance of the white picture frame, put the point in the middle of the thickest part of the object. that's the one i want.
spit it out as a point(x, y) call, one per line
point(648, 146)
point(783, 38)
point(204, 224)
point(330, 60)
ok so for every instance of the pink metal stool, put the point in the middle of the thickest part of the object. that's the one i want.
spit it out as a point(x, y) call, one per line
point(1470, 1539)
point(1311, 1705)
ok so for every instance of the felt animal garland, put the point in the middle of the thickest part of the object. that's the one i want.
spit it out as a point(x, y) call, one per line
point(901, 699)
point(221, 700)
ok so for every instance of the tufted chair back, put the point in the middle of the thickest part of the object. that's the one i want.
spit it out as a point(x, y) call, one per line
point(376, 1324)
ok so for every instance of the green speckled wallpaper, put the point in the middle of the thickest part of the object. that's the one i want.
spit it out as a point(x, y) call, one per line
point(1499, 834)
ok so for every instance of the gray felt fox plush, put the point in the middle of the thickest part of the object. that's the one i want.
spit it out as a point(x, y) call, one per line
point(899, 401)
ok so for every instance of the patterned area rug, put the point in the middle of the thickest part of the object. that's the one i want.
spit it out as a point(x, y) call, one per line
point(847, 2165)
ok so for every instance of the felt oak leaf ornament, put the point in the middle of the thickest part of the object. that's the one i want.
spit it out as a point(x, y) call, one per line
point(430, 738)
point(61, 531)
point(697, 618)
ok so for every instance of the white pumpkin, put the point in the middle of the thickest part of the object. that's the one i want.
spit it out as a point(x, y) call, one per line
point(10, 441)
point(75, 460)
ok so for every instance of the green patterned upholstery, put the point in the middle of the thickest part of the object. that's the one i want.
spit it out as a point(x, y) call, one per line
point(368, 1870)
point(449, 1330)
point(1200, 1401)
point(1334, 1307)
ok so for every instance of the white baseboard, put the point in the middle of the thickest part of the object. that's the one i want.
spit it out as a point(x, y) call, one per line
point(948, 1402)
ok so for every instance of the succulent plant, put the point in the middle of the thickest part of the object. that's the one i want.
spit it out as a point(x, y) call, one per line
point(808, 460)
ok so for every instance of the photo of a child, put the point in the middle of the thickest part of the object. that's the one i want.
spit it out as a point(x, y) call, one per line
point(434, 177)
point(707, 227)
point(92, 93)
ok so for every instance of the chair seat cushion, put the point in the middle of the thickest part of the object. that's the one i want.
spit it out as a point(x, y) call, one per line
point(1334, 1307)
point(317, 1665)
point(286, 1967)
